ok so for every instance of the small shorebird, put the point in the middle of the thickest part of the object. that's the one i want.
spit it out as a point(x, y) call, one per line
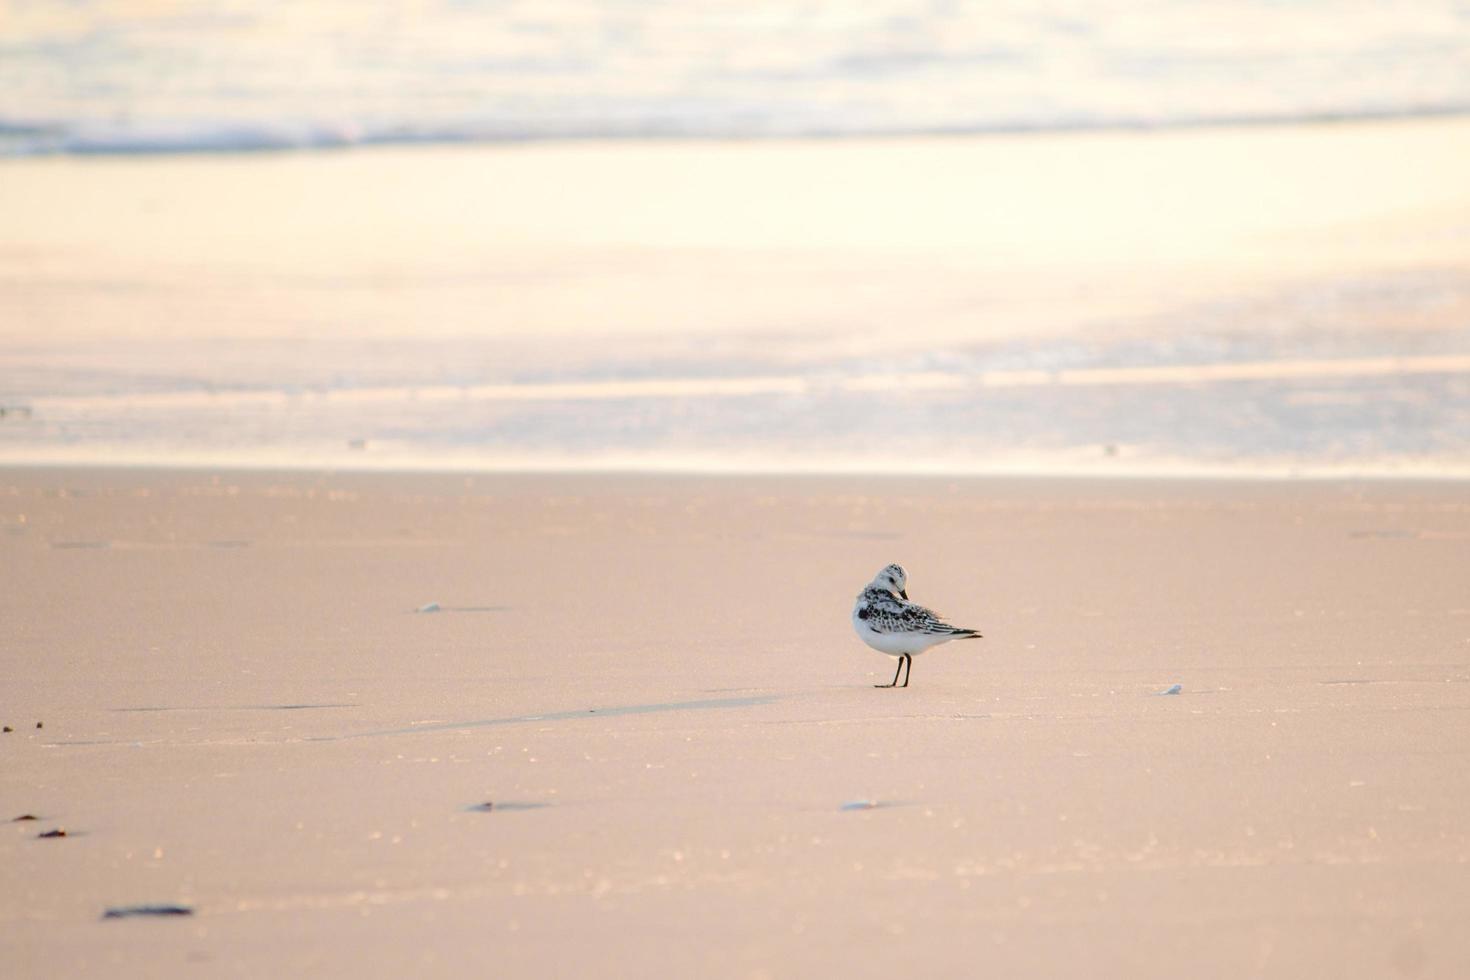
point(886, 621)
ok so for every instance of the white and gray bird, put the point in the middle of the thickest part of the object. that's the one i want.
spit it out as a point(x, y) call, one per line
point(886, 621)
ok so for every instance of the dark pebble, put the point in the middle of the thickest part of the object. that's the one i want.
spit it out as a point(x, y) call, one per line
point(38, 724)
point(127, 911)
point(58, 832)
point(9, 729)
point(25, 816)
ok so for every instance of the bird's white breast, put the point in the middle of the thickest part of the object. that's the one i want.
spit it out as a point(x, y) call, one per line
point(893, 644)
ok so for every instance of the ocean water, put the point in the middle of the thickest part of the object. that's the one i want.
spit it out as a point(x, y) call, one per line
point(128, 75)
point(1102, 302)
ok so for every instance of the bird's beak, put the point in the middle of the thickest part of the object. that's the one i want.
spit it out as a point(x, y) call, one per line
point(903, 594)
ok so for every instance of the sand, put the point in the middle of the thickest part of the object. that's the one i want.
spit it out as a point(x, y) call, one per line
point(653, 682)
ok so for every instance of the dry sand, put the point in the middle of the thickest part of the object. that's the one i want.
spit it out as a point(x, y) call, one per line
point(654, 682)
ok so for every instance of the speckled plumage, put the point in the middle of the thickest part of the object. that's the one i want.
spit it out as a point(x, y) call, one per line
point(885, 620)
point(883, 612)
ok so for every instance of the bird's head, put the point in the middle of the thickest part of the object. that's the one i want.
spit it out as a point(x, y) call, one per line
point(892, 579)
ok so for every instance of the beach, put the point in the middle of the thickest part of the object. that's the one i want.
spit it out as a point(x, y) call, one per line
point(633, 734)
point(441, 446)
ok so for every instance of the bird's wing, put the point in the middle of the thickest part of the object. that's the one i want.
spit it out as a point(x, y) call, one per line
point(888, 614)
point(922, 620)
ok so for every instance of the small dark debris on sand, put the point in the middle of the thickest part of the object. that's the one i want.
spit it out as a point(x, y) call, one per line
point(503, 807)
point(9, 729)
point(129, 911)
point(38, 724)
point(58, 832)
point(24, 816)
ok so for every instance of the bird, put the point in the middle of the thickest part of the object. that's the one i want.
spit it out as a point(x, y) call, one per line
point(886, 621)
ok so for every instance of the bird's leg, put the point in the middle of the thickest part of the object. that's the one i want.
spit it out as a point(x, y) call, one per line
point(895, 675)
point(910, 658)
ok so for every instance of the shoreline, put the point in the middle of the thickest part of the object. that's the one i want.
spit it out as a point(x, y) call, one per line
point(354, 462)
point(330, 144)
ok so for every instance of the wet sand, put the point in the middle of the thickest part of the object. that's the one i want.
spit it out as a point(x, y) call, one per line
point(1234, 300)
point(653, 682)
